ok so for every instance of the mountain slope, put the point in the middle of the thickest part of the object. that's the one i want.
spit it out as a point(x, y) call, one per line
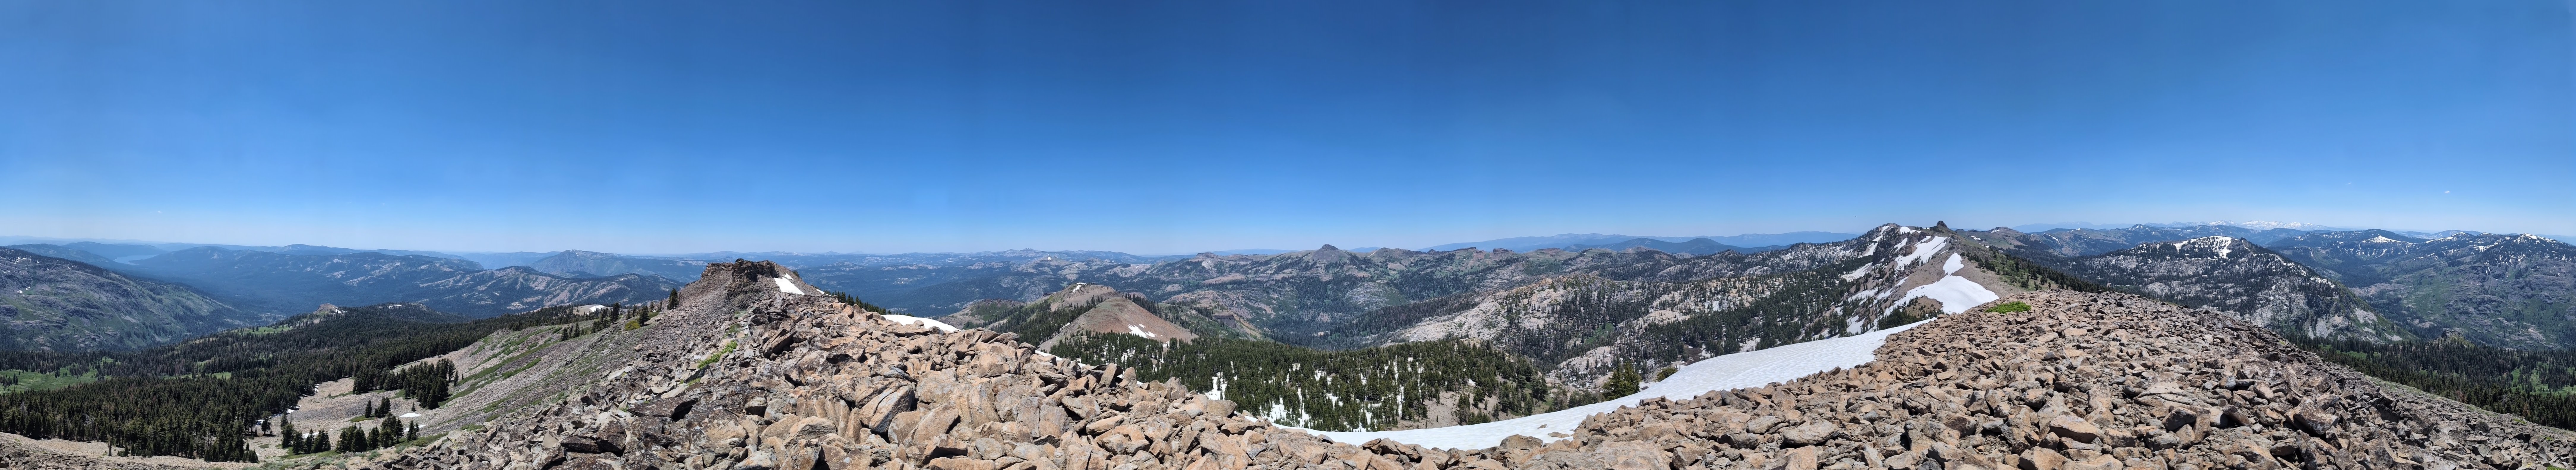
point(2089, 242)
point(55, 304)
point(1088, 308)
point(280, 282)
point(2245, 280)
point(579, 263)
point(2505, 290)
point(1584, 325)
point(59, 251)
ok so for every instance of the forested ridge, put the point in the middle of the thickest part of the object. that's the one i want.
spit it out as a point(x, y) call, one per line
point(1369, 388)
point(2538, 385)
point(201, 398)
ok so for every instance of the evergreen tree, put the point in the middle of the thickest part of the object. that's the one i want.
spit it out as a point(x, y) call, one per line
point(287, 438)
point(389, 433)
point(1623, 382)
point(351, 438)
point(675, 299)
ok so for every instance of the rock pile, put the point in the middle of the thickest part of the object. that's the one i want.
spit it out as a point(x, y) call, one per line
point(2084, 382)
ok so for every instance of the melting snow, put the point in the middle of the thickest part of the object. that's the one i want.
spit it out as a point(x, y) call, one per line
point(933, 324)
point(1952, 266)
point(2216, 242)
point(787, 287)
point(409, 415)
point(1863, 271)
point(1732, 371)
point(1139, 331)
point(1923, 251)
point(1955, 293)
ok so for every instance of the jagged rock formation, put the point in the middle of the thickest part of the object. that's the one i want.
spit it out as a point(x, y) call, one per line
point(754, 378)
point(2240, 278)
point(56, 304)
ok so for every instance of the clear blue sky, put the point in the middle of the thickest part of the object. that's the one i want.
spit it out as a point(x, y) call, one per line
point(649, 127)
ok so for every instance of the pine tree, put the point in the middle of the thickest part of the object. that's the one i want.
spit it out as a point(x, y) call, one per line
point(1623, 382)
point(389, 433)
point(287, 438)
point(675, 299)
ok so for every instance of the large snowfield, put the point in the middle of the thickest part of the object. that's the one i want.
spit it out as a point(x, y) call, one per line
point(1732, 371)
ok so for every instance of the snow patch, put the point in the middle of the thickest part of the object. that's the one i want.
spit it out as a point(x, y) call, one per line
point(1923, 251)
point(913, 320)
point(1952, 266)
point(787, 287)
point(409, 415)
point(1732, 371)
point(1956, 294)
point(1139, 331)
point(1863, 271)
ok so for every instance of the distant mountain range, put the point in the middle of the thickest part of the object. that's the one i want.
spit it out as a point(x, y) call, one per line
point(1574, 240)
point(260, 281)
point(56, 304)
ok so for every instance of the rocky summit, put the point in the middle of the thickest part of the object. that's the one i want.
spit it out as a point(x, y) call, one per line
point(749, 376)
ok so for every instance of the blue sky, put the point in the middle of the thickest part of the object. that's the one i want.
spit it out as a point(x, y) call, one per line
point(1171, 127)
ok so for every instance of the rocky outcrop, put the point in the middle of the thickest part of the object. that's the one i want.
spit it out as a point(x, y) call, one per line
point(749, 379)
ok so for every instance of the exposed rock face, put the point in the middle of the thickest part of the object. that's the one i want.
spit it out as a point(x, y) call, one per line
point(2085, 381)
point(55, 304)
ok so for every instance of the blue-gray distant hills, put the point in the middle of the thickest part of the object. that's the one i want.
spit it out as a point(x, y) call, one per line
point(51, 303)
point(1574, 241)
point(289, 280)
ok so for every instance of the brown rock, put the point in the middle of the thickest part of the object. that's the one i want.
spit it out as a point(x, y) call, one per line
point(2042, 458)
point(2073, 428)
point(1803, 458)
point(1812, 433)
point(961, 463)
point(2100, 462)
